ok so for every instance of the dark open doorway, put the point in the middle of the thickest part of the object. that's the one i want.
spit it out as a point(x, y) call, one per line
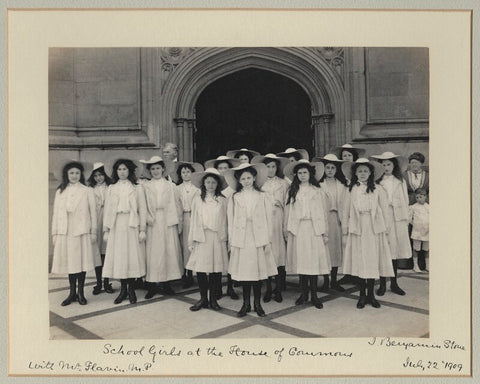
point(253, 109)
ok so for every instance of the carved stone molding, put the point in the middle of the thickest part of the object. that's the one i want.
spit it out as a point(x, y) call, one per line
point(335, 57)
point(171, 57)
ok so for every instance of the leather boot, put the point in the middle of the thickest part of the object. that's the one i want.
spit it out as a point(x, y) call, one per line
point(167, 289)
point(393, 281)
point(72, 280)
point(230, 291)
point(334, 284)
point(132, 297)
point(363, 299)
point(203, 285)
point(383, 286)
point(268, 292)
point(213, 286)
point(303, 298)
point(81, 284)
point(277, 292)
point(326, 284)
point(370, 295)
point(152, 290)
point(246, 300)
point(107, 286)
point(346, 279)
point(313, 289)
point(98, 274)
point(123, 292)
point(257, 294)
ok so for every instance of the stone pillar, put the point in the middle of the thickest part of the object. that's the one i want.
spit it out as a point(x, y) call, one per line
point(321, 128)
point(183, 137)
point(188, 139)
point(178, 137)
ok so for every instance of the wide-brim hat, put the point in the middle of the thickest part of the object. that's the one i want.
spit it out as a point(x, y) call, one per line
point(177, 164)
point(235, 151)
point(378, 169)
point(57, 172)
point(329, 158)
point(260, 179)
point(197, 177)
point(402, 160)
point(290, 151)
point(144, 172)
point(211, 163)
point(360, 151)
point(319, 168)
point(282, 160)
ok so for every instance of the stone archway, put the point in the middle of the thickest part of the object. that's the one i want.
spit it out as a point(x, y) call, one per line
point(314, 74)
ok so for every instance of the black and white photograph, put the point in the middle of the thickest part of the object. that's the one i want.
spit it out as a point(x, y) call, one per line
point(238, 192)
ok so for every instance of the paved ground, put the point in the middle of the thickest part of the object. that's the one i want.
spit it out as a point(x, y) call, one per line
point(169, 316)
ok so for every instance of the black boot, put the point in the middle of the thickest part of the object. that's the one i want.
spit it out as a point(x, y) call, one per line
point(98, 274)
point(138, 283)
point(277, 292)
point(334, 284)
point(257, 294)
point(152, 290)
point(268, 292)
point(246, 300)
point(214, 282)
point(230, 291)
point(347, 279)
point(107, 286)
point(393, 281)
point(72, 280)
point(383, 286)
point(326, 284)
point(187, 279)
point(283, 277)
point(422, 262)
point(203, 285)
point(132, 297)
point(303, 298)
point(123, 292)
point(313, 289)
point(363, 299)
point(167, 289)
point(370, 295)
point(81, 284)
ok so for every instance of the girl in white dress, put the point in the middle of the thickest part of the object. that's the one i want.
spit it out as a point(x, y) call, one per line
point(222, 164)
point(124, 223)
point(100, 181)
point(181, 175)
point(164, 224)
point(276, 187)
point(306, 228)
point(333, 184)
point(396, 187)
point(249, 226)
point(367, 253)
point(207, 236)
point(74, 230)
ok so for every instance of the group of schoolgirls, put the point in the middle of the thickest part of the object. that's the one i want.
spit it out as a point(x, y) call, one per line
point(254, 217)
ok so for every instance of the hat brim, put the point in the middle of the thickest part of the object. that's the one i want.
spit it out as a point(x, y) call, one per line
point(319, 169)
point(282, 160)
point(234, 152)
point(402, 161)
point(198, 176)
point(301, 152)
point(211, 163)
point(378, 169)
point(87, 169)
point(325, 161)
point(260, 179)
point(338, 151)
point(173, 173)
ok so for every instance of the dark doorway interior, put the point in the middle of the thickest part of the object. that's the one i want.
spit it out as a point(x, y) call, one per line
point(253, 109)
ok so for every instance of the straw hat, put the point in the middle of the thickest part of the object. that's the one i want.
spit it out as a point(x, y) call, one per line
point(212, 163)
point(402, 161)
point(173, 173)
point(235, 151)
point(291, 151)
point(360, 151)
point(197, 177)
point(319, 168)
point(379, 169)
point(57, 173)
point(330, 158)
point(260, 179)
point(282, 160)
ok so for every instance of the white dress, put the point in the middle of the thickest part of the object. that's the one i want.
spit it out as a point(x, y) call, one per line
point(187, 192)
point(124, 257)
point(72, 253)
point(209, 255)
point(100, 247)
point(307, 253)
point(163, 244)
point(419, 214)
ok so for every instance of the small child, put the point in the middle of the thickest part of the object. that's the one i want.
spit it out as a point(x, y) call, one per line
point(418, 214)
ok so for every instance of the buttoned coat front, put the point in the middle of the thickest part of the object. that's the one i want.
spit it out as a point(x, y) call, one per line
point(173, 207)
